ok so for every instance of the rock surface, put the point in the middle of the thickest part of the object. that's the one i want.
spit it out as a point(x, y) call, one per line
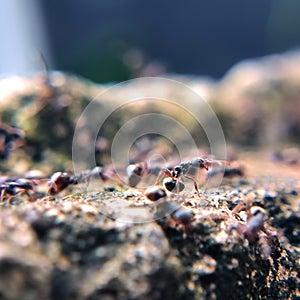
point(81, 246)
point(238, 240)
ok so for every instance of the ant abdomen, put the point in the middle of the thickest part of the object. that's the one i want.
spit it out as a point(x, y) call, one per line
point(173, 185)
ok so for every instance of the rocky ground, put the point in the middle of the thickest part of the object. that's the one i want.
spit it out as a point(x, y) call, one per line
point(81, 246)
point(238, 239)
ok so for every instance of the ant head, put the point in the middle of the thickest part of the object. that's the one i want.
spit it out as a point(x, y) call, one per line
point(255, 210)
point(199, 162)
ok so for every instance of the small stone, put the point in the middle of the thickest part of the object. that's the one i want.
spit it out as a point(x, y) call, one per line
point(236, 200)
point(270, 195)
point(233, 193)
point(206, 266)
point(233, 264)
point(110, 189)
point(247, 191)
point(53, 212)
point(88, 209)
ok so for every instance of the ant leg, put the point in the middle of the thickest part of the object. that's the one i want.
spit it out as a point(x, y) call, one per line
point(179, 181)
point(29, 195)
point(10, 197)
point(196, 188)
point(195, 184)
point(161, 174)
point(243, 205)
point(2, 195)
point(85, 182)
point(53, 190)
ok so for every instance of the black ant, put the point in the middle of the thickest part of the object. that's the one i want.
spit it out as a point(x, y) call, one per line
point(135, 172)
point(155, 193)
point(59, 181)
point(255, 223)
point(183, 218)
point(16, 186)
point(255, 231)
point(187, 170)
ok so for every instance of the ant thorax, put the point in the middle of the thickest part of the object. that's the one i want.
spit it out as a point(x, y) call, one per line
point(197, 163)
point(189, 168)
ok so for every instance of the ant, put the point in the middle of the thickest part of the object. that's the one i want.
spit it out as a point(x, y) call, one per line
point(183, 218)
point(255, 223)
point(175, 215)
point(155, 193)
point(15, 186)
point(135, 172)
point(187, 170)
point(179, 216)
point(59, 181)
point(255, 231)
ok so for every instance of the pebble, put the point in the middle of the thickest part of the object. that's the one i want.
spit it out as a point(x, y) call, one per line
point(206, 266)
point(233, 193)
point(86, 208)
point(271, 195)
point(236, 200)
point(247, 191)
point(110, 189)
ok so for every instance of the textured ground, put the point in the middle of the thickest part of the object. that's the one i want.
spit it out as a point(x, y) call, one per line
point(66, 248)
point(238, 240)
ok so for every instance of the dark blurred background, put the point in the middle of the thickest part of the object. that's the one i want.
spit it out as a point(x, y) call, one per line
point(113, 40)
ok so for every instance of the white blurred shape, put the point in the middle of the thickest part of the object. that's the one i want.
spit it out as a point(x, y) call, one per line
point(22, 37)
